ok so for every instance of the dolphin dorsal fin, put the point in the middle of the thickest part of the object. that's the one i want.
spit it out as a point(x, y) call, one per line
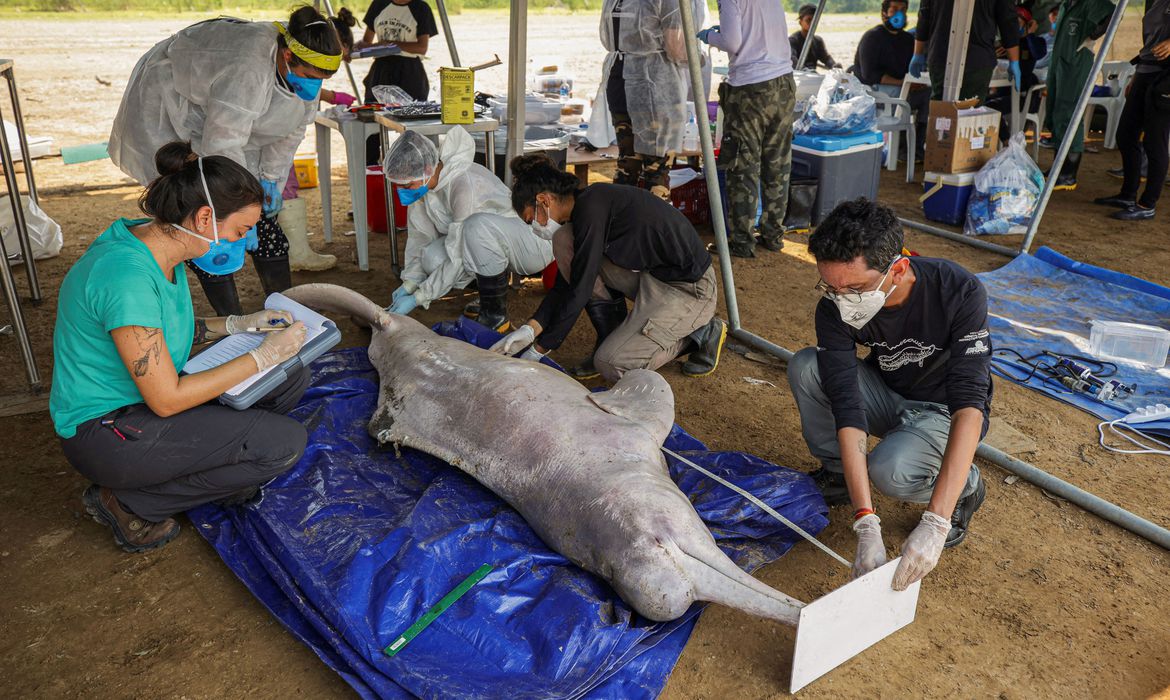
point(643, 397)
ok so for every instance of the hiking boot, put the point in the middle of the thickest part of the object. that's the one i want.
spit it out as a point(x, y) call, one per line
point(1117, 201)
point(708, 346)
point(964, 509)
point(737, 251)
point(605, 315)
point(831, 485)
point(132, 533)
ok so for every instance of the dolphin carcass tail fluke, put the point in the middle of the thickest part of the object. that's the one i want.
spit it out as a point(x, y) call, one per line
point(340, 300)
point(718, 580)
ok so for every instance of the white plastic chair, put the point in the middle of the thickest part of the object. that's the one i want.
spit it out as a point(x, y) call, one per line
point(1116, 76)
point(894, 117)
point(1036, 119)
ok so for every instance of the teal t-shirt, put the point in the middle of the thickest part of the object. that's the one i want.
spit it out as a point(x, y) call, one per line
point(117, 282)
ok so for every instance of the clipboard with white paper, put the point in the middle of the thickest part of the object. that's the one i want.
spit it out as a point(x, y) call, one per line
point(321, 334)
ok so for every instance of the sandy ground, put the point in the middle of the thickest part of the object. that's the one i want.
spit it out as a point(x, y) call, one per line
point(1043, 600)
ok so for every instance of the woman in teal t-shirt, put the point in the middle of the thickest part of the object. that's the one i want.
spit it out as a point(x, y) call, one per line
point(147, 437)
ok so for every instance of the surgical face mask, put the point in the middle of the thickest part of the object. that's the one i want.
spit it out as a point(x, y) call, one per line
point(547, 229)
point(223, 257)
point(305, 88)
point(407, 197)
point(897, 20)
point(859, 308)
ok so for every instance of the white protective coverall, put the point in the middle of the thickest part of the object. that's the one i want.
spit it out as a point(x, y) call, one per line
point(213, 84)
point(465, 227)
point(655, 69)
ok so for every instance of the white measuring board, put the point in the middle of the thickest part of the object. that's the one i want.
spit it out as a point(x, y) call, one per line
point(846, 622)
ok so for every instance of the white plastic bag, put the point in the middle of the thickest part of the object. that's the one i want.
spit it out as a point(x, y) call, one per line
point(1007, 190)
point(842, 105)
point(44, 234)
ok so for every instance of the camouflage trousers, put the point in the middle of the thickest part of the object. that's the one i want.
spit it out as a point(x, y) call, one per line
point(638, 169)
point(756, 154)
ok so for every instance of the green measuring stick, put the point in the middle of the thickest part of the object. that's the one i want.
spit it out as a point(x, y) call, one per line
point(437, 609)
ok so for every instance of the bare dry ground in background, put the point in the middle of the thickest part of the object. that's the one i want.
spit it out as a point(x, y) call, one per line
point(1042, 600)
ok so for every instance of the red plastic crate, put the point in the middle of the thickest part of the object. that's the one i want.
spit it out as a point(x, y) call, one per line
point(691, 200)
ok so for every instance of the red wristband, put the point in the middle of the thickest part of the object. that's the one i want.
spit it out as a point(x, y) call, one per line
point(862, 512)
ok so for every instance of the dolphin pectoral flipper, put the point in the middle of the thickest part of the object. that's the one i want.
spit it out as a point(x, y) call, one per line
point(643, 397)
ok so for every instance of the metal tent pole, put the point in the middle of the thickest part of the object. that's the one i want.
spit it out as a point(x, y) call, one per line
point(517, 60)
point(18, 119)
point(958, 237)
point(14, 198)
point(447, 32)
point(714, 196)
point(348, 71)
point(1073, 126)
point(812, 32)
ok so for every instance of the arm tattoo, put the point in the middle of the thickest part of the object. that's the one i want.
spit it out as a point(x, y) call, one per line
point(201, 332)
point(151, 348)
point(861, 445)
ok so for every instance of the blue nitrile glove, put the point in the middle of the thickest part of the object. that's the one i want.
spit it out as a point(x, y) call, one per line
point(917, 65)
point(251, 240)
point(399, 293)
point(703, 33)
point(404, 305)
point(272, 198)
point(1014, 69)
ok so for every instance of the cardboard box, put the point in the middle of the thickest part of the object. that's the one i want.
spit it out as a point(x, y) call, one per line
point(961, 136)
point(457, 95)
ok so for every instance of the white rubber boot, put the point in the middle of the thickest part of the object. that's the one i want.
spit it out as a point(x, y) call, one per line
point(301, 256)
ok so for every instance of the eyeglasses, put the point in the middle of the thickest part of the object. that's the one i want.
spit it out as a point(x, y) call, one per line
point(851, 295)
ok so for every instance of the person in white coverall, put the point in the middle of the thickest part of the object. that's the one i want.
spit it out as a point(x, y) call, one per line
point(460, 226)
point(244, 90)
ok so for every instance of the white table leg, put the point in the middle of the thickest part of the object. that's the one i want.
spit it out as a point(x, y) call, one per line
point(355, 155)
point(325, 181)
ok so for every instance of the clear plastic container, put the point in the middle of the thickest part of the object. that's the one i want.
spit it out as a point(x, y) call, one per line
point(1134, 342)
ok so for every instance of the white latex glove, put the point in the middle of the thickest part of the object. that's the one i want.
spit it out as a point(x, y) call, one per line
point(921, 550)
point(871, 551)
point(278, 346)
point(515, 341)
point(264, 318)
point(530, 353)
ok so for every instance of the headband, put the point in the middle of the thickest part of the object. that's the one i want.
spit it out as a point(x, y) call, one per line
point(317, 60)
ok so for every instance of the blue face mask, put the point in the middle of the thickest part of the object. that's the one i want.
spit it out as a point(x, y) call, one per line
point(305, 88)
point(223, 257)
point(897, 20)
point(408, 197)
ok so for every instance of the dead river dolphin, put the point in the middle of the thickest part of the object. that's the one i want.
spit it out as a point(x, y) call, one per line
point(584, 469)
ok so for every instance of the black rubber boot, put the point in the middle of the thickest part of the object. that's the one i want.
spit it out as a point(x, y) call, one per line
point(606, 316)
point(708, 342)
point(275, 275)
point(1067, 179)
point(493, 301)
point(221, 292)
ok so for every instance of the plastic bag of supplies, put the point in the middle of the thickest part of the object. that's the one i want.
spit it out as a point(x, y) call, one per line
point(841, 106)
point(1007, 189)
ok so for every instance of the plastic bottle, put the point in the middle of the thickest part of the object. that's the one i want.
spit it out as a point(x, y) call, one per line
point(691, 135)
point(564, 91)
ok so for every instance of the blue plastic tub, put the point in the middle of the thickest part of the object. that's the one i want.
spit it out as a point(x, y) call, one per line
point(829, 144)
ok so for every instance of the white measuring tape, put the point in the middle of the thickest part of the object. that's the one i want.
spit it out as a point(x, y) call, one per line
point(763, 506)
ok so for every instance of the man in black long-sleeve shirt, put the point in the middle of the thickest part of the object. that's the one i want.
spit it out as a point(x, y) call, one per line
point(818, 53)
point(932, 38)
point(924, 388)
point(625, 243)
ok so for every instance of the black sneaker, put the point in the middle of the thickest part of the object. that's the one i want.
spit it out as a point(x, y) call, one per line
point(1134, 213)
point(1117, 201)
point(961, 518)
point(831, 485)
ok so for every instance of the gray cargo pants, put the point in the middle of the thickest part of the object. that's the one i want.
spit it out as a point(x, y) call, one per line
point(664, 313)
point(158, 466)
point(905, 464)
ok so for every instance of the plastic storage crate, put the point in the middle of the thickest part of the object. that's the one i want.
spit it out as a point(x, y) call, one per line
point(847, 173)
point(944, 197)
point(1135, 342)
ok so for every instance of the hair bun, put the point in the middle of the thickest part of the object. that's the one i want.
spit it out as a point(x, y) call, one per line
point(346, 17)
point(173, 157)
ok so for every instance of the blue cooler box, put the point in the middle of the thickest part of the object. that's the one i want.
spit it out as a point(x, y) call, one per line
point(845, 167)
point(944, 196)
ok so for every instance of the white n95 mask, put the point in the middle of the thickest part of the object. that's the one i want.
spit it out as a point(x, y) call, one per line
point(858, 309)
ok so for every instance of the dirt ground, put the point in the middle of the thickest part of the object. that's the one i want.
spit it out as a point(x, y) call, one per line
point(1043, 599)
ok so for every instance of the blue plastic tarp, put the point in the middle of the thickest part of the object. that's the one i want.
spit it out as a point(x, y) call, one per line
point(1046, 302)
point(355, 543)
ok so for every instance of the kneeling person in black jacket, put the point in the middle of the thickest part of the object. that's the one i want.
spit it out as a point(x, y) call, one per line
point(924, 388)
